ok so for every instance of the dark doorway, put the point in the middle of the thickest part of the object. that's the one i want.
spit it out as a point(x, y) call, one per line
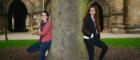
point(100, 14)
point(18, 12)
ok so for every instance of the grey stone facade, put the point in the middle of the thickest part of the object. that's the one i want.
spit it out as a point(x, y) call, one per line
point(119, 16)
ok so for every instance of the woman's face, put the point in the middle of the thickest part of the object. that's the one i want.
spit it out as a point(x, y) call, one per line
point(92, 11)
point(44, 16)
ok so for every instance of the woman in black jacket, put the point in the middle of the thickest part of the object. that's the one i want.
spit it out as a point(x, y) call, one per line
point(91, 31)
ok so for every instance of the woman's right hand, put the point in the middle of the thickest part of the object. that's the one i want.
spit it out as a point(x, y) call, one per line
point(92, 35)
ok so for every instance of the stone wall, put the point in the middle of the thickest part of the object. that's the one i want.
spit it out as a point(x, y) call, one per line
point(34, 8)
point(133, 16)
point(116, 22)
point(113, 11)
point(115, 5)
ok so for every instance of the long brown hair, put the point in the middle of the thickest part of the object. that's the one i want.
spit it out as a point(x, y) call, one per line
point(96, 17)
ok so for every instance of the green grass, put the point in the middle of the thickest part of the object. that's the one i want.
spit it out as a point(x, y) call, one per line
point(114, 42)
point(122, 42)
point(16, 43)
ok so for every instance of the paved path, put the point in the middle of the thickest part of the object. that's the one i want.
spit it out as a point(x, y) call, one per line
point(109, 35)
point(19, 36)
point(30, 36)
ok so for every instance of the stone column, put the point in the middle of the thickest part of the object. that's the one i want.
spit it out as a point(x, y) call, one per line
point(117, 16)
point(117, 24)
point(106, 24)
point(133, 16)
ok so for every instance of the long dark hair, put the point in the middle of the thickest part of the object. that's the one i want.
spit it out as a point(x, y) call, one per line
point(96, 17)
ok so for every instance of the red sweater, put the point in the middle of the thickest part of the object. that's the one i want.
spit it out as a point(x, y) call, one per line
point(46, 33)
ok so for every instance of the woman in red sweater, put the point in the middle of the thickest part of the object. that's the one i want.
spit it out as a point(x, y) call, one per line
point(45, 32)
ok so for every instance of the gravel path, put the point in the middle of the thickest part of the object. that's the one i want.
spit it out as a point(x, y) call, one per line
point(112, 54)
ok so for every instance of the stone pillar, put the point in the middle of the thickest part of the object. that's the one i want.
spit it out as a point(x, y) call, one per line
point(66, 44)
point(117, 24)
point(117, 16)
point(106, 24)
point(133, 16)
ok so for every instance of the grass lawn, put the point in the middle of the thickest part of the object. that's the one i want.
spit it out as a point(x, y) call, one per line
point(16, 43)
point(122, 42)
point(115, 42)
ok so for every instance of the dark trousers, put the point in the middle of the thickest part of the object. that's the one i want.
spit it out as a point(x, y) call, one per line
point(41, 47)
point(90, 43)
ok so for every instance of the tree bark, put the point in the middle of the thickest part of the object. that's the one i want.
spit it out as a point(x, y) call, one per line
point(67, 43)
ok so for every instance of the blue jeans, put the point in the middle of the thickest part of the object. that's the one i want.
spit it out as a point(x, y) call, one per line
point(41, 47)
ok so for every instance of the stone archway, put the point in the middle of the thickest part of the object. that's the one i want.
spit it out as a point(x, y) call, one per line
point(27, 6)
point(27, 3)
point(104, 13)
point(17, 13)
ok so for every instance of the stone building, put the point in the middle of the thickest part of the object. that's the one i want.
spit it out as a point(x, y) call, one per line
point(117, 16)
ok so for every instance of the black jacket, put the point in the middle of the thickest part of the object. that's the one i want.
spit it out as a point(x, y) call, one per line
point(89, 27)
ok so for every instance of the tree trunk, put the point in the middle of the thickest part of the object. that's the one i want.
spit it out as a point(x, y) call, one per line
point(67, 41)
